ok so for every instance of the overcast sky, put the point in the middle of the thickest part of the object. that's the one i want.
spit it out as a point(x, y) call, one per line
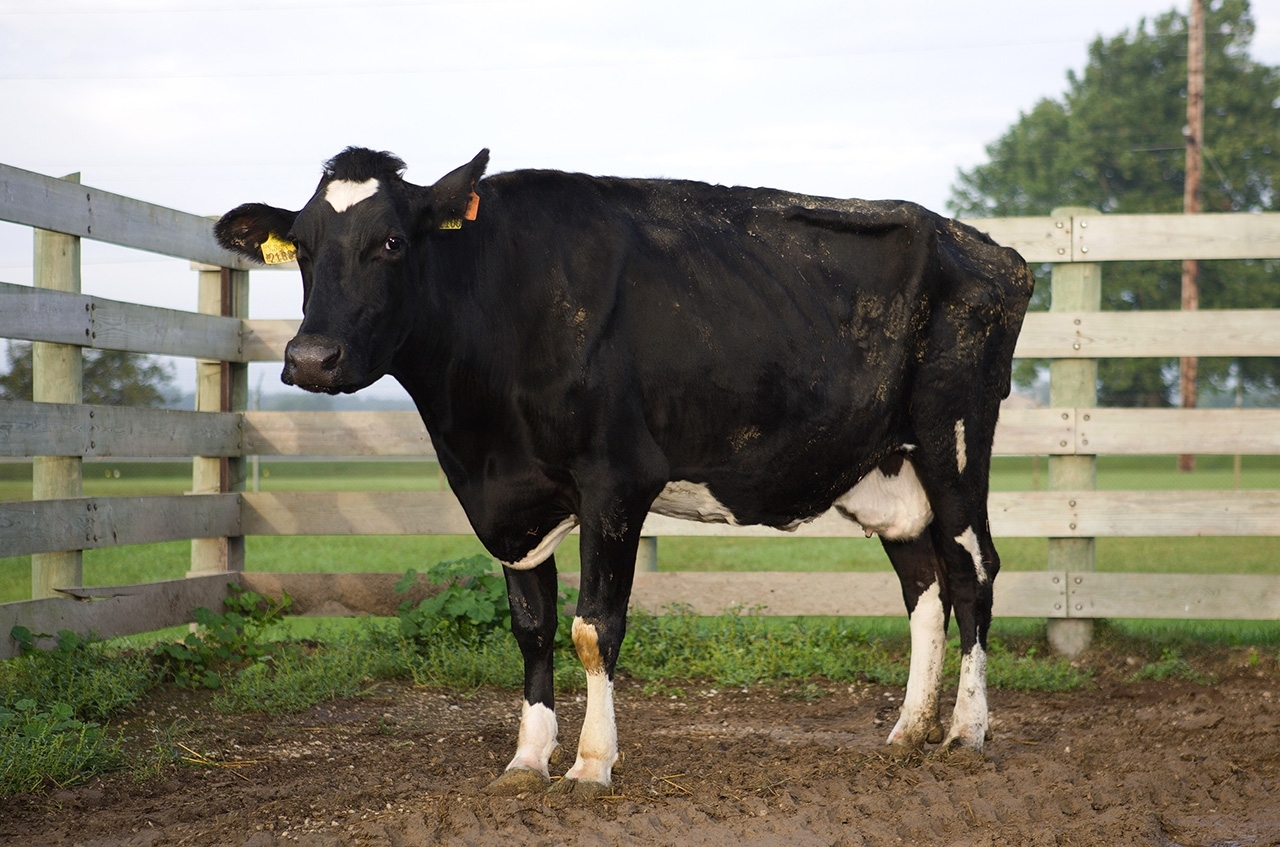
point(204, 104)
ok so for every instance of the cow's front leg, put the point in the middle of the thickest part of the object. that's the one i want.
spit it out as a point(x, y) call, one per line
point(925, 592)
point(532, 594)
point(608, 567)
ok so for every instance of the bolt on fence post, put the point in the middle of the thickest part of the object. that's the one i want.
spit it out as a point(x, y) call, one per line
point(1075, 287)
point(57, 372)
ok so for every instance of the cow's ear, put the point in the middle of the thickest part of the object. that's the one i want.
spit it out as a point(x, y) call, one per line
point(257, 231)
point(450, 199)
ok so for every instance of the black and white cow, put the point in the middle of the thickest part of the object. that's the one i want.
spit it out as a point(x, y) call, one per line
point(586, 350)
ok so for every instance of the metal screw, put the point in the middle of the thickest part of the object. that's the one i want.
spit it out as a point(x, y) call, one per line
point(1057, 605)
point(1073, 526)
point(1076, 322)
point(1084, 224)
point(1075, 346)
point(1065, 416)
point(1058, 224)
point(1084, 441)
point(1079, 607)
point(1062, 444)
point(1055, 580)
point(1086, 417)
point(1062, 251)
point(1071, 503)
point(1079, 580)
point(1084, 249)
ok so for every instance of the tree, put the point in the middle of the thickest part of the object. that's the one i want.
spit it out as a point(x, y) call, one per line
point(111, 377)
point(1113, 142)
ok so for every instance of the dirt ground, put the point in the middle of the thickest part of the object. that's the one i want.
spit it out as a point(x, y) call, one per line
point(1143, 763)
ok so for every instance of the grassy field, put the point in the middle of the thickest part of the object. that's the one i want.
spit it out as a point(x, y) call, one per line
point(141, 563)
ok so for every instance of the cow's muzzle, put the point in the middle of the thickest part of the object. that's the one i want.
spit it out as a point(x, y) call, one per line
point(316, 363)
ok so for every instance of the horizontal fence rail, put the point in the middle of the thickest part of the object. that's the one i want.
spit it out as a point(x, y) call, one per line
point(1024, 514)
point(223, 435)
point(89, 523)
point(57, 205)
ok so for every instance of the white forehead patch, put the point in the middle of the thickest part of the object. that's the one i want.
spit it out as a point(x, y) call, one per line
point(342, 194)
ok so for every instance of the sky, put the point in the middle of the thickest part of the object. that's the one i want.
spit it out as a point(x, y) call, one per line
point(201, 105)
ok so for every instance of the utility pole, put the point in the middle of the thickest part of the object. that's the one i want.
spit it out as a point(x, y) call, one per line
point(1194, 136)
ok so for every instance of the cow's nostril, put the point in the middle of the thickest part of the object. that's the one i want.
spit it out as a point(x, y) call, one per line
point(330, 358)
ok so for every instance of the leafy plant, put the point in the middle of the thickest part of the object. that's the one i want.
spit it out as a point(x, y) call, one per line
point(1171, 666)
point(93, 681)
point(472, 604)
point(233, 637)
point(39, 744)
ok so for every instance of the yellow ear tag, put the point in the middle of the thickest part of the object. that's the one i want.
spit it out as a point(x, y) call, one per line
point(277, 251)
point(451, 223)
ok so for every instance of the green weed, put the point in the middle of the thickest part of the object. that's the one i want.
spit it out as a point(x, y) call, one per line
point(232, 637)
point(1171, 666)
point(40, 744)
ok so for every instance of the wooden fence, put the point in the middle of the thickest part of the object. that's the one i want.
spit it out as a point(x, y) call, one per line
point(59, 431)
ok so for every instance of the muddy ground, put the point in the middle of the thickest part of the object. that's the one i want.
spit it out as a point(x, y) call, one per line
point(1143, 763)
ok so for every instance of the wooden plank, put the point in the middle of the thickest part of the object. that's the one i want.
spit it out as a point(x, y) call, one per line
point(61, 429)
point(1214, 332)
point(40, 201)
point(115, 611)
point(38, 314)
point(1170, 431)
point(168, 332)
point(353, 513)
point(336, 434)
point(1177, 596)
point(1110, 238)
point(62, 317)
point(265, 340)
point(1018, 593)
point(1014, 514)
point(86, 523)
point(1045, 239)
point(1032, 432)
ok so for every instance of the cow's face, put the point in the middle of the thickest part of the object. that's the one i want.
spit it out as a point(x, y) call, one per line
point(358, 243)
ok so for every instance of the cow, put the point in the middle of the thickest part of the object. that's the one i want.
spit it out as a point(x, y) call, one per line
point(586, 350)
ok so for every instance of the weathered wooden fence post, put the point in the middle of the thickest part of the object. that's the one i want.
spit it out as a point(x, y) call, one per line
point(57, 377)
point(1075, 287)
point(220, 387)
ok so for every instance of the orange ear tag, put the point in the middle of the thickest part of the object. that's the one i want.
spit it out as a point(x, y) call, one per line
point(473, 207)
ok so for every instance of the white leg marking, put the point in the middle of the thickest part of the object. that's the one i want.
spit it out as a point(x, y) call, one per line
point(928, 648)
point(961, 458)
point(537, 739)
point(969, 721)
point(894, 506)
point(545, 547)
point(598, 744)
point(969, 541)
point(342, 194)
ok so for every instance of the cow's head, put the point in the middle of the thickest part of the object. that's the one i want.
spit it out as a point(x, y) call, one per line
point(357, 242)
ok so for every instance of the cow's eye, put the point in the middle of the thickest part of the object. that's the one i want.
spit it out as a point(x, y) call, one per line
point(394, 244)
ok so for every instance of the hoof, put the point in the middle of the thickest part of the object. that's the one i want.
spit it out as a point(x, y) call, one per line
point(585, 788)
point(517, 781)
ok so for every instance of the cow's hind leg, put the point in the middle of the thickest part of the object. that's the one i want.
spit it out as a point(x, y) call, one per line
point(926, 593)
point(532, 594)
point(954, 461)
